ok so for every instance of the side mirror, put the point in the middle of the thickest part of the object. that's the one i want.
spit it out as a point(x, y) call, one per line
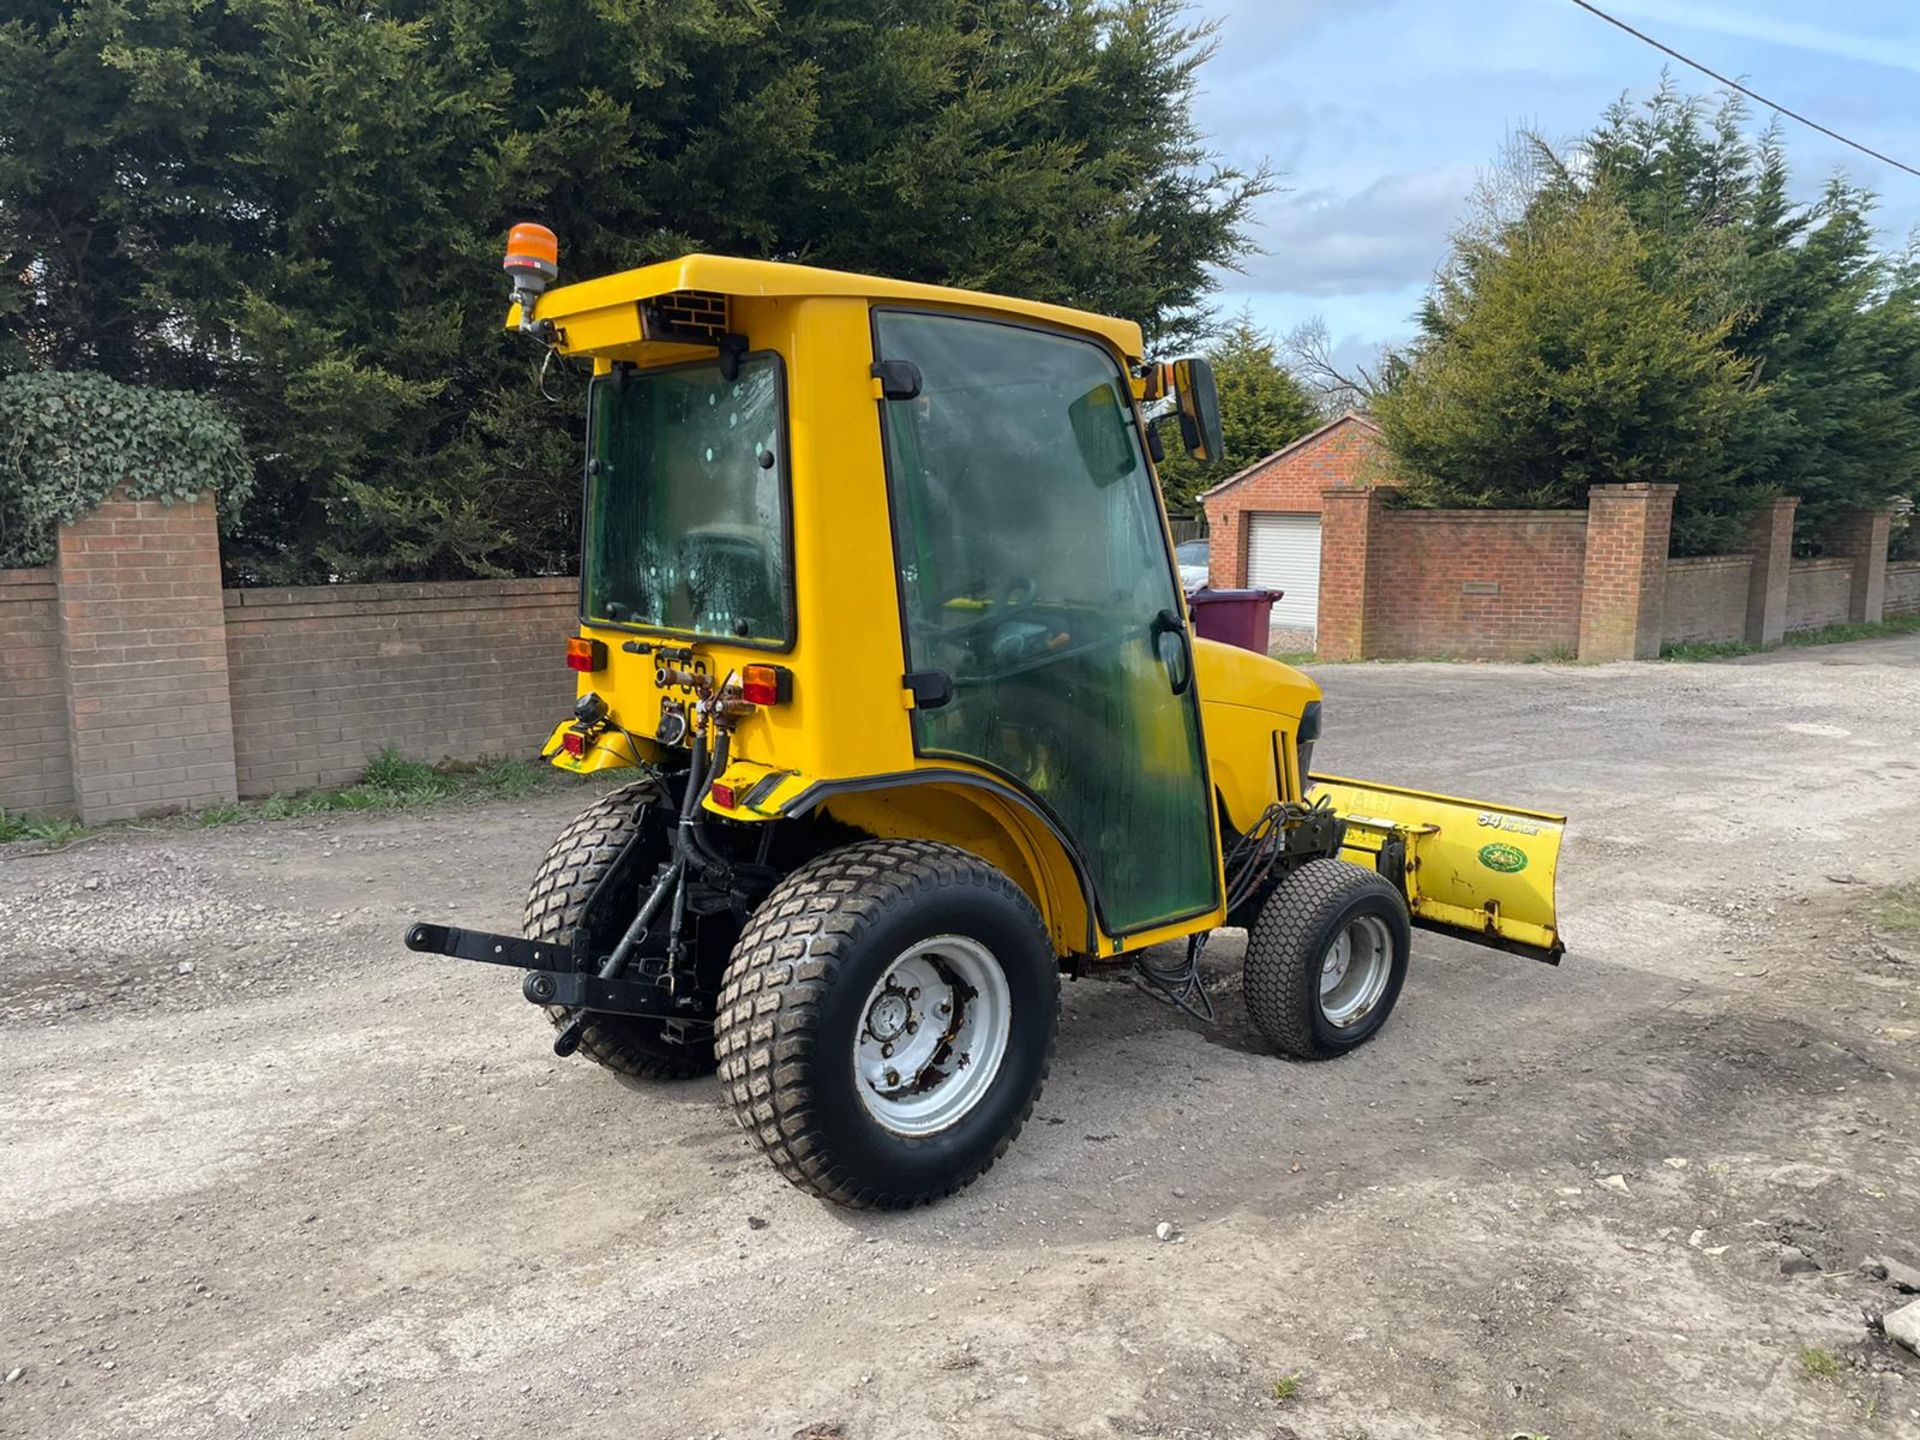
point(1199, 409)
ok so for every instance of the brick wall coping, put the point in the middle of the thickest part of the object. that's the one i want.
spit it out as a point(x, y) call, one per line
point(1903, 565)
point(38, 576)
point(1491, 517)
point(250, 597)
point(1702, 562)
point(1826, 562)
point(1635, 487)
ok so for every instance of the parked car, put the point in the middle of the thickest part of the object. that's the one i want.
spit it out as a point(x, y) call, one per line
point(1192, 557)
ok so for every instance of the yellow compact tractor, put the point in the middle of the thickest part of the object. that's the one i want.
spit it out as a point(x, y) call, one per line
point(879, 608)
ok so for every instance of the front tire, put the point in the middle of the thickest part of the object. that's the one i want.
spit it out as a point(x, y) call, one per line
point(887, 1022)
point(1326, 958)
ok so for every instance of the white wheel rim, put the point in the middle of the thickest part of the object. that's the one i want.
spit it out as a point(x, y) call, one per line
point(1354, 971)
point(933, 1034)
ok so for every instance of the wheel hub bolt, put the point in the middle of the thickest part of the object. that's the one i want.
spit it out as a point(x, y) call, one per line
point(893, 1077)
point(887, 1050)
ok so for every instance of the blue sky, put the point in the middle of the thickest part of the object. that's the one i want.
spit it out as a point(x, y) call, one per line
point(1379, 114)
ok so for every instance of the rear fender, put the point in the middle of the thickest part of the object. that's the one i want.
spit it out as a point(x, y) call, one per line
point(989, 824)
point(1482, 872)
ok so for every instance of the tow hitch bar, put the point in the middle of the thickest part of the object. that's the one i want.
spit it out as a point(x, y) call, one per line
point(552, 978)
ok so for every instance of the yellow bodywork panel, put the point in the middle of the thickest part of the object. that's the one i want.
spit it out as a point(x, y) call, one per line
point(1483, 872)
point(606, 750)
point(600, 317)
point(1250, 707)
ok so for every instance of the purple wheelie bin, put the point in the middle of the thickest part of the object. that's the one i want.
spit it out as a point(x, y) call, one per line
point(1234, 617)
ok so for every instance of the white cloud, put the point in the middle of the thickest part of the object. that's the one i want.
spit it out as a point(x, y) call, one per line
point(1896, 53)
point(1387, 235)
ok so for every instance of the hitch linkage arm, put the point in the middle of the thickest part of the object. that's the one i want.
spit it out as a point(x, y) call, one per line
point(551, 978)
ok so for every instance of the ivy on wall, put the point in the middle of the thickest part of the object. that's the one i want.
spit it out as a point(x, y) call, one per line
point(67, 439)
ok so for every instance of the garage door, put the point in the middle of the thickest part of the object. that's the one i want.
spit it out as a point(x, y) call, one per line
point(1283, 553)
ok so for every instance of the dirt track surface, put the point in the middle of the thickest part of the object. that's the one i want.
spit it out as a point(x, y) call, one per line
point(320, 1186)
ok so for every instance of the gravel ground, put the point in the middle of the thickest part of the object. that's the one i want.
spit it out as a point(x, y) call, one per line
point(1286, 640)
point(263, 1173)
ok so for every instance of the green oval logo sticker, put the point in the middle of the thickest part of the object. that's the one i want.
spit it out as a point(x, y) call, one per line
point(1507, 859)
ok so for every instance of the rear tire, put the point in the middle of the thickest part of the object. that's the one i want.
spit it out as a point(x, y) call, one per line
point(582, 855)
point(1326, 958)
point(834, 1052)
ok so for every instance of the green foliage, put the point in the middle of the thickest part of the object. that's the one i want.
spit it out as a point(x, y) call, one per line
point(1819, 1363)
point(1689, 650)
point(1263, 407)
point(1826, 635)
point(300, 207)
point(392, 782)
point(66, 440)
point(1848, 630)
point(47, 829)
point(1822, 330)
point(1899, 908)
point(1549, 363)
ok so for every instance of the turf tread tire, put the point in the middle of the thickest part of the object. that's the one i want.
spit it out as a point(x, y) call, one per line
point(580, 855)
point(792, 952)
point(1286, 945)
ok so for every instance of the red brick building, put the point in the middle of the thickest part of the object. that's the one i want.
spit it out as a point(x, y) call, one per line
point(1263, 524)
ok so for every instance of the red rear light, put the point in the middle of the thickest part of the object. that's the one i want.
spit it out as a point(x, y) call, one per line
point(574, 742)
point(766, 684)
point(723, 795)
point(586, 655)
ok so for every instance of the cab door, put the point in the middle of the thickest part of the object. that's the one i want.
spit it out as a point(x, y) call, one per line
point(1038, 596)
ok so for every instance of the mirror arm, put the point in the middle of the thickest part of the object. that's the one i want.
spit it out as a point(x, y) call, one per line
point(1153, 410)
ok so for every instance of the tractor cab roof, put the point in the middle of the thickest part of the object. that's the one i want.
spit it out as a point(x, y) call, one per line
point(677, 308)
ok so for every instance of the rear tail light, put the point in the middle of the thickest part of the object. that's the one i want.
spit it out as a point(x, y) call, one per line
point(586, 655)
point(766, 684)
point(574, 742)
point(723, 795)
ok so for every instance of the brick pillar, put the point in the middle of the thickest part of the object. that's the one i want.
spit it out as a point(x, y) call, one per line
point(1349, 520)
point(1770, 542)
point(1226, 546)
point(1861, 536)
point(1623, 589)
point(143, 632)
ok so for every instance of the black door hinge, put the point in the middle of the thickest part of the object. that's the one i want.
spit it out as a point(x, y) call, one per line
point(899, 379)
point(931, 688)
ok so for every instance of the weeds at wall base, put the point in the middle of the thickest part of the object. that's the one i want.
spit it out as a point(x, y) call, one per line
point(390, 782)
point(1826, 635)
point(47, 829)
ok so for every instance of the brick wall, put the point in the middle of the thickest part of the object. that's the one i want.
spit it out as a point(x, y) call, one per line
point(35, 772)
point(1479, 585)
point(1819, 593)
point(142, 639)
point(1338, 455)
point(325, 676)
point(1903, 587)
point(1706, 599)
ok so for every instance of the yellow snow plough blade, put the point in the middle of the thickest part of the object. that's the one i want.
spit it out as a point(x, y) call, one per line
point(1482, 872)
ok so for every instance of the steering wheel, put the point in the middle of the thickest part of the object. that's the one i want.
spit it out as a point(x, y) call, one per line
point(1017, 600)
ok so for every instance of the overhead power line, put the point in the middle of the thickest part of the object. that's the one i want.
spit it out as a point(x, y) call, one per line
point(1750, 94)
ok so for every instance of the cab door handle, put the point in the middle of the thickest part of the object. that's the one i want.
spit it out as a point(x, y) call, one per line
point(1179, 661)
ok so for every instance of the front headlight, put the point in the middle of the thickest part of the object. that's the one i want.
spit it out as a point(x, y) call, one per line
point(1303, 743)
